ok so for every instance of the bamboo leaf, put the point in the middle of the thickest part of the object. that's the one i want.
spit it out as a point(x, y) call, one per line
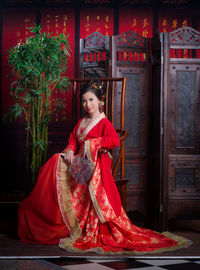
point(40, 144)
point(37, 67)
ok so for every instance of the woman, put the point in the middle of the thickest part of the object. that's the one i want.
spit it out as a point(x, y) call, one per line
point(85, 216)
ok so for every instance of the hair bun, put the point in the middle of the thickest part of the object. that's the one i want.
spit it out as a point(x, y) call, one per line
point(102, 89)
point(98, 85)
point(94, 85)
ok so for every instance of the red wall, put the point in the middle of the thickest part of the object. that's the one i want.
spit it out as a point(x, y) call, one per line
point(14, 28)
point(55, 20)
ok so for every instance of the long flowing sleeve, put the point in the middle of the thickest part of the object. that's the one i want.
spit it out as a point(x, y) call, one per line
point(72, 140)
point(110, 139)
point(105, 136)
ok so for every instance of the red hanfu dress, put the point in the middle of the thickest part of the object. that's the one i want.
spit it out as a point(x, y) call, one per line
point(87, 217)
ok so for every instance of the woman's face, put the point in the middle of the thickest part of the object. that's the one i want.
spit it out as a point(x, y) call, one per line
point(90, 103)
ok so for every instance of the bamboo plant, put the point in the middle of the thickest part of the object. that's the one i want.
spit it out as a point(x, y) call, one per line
point(38, 68)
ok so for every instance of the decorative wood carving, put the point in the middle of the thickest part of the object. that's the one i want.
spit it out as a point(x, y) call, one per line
point(131, 39)
point(95, 40)
point(185, 35)
point(95, 56)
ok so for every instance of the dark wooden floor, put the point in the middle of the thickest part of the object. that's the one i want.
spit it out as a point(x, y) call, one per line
point(11, 246)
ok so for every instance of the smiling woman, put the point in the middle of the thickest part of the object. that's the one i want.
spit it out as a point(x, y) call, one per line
point(85, 216)
point(90, 104)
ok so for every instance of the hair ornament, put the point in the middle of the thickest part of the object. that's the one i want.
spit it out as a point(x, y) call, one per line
point(95, 85)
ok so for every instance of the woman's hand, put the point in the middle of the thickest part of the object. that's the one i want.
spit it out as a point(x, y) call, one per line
point(69, 156)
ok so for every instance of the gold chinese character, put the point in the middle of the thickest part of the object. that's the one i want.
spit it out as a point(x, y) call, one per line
point(145, 23)
point(18, 34)
point(184, 23)
point(107, 34)
point(87, 28)
point(56, 17)
point(107, 26)
point(65, 23)
point(107, 19)
point(65, 18)
point(26, 20)
point(164, 23)
point(88, 19)
point(145, 33)
point(56, 25)
point(98, 17)
point(174, 23)
point(98, 29)
point(134, 22)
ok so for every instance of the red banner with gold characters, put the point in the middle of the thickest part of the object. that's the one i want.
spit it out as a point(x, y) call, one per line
point(15, 29)
point(136, 19)
point(170, 19)
point(96, 20)
point(57, 21)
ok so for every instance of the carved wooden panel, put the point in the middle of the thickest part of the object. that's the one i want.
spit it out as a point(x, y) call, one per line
point(184, 105)
point(184, 178)
point(137, 125)
point(185, 36)
point(130, 59)
point(181, 130)
point(95, 56)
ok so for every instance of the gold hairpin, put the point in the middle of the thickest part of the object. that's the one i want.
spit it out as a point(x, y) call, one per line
point(96, 86)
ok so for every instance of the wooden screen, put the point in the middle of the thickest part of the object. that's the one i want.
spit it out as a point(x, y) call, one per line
point(181, 124)
point(130, 59)
point(95, 56)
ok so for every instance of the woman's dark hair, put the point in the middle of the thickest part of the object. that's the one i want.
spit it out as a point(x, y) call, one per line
point(94, 86)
